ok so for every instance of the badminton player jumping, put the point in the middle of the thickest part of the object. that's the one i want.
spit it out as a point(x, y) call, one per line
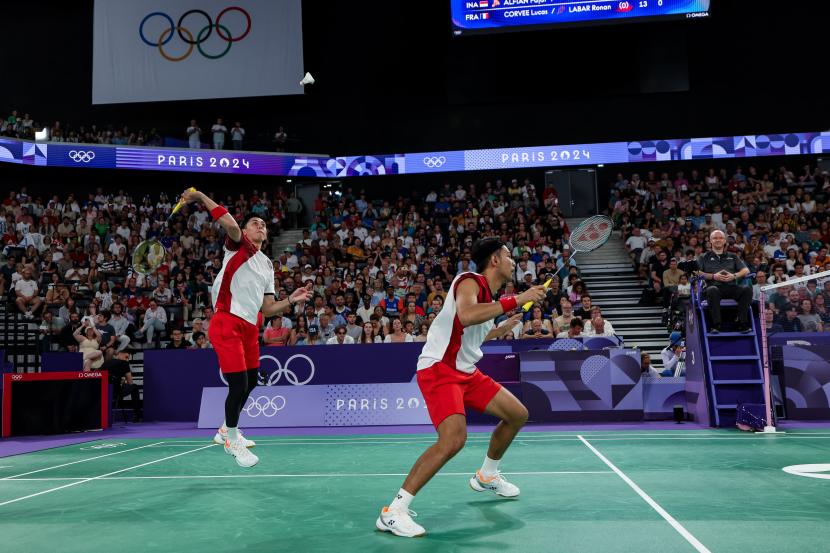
point(243, 288)
point(449, 381)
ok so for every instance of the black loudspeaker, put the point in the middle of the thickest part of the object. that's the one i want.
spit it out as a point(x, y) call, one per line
point(679, 415)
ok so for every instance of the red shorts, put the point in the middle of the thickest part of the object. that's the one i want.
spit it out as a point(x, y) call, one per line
point(447, 390)
point(236, 342)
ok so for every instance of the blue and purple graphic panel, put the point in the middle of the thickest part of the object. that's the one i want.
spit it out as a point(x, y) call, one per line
point(322, 166)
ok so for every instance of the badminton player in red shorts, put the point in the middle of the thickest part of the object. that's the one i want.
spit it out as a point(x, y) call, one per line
point(242, 289)
point(449, 381)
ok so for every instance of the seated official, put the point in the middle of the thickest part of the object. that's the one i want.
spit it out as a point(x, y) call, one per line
point(722, 270)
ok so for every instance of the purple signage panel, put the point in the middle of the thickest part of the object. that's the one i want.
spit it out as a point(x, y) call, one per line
point(807, 381)
point(661, 394)
point(565, 386)
point(204, 161)
point(324, 405)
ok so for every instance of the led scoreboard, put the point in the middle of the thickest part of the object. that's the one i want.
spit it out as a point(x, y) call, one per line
point(483, 16)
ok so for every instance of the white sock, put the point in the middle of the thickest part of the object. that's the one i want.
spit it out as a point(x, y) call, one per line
point(402, 500)
point(490, 467)
point(233, 434)
point(224, 426)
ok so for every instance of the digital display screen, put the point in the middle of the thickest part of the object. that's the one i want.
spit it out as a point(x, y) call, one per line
point(88, 156)
point(487, 16)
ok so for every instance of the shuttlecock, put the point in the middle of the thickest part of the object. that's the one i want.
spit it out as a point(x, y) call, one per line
point(308, 79)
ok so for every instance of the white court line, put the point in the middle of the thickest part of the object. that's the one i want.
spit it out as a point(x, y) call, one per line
point(50, 490)
point(310, 475)
point(647, 498)
point(748, 438)
point(81, 461)
point(527, 436)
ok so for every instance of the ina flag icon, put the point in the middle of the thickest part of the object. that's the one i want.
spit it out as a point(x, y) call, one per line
point(484, 3)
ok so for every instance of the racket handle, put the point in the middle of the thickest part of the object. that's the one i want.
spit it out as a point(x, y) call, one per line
point(527, 306)
point(182, 202)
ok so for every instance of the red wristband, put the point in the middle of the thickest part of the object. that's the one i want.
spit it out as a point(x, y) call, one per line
point(217, 212)
point(508, 304)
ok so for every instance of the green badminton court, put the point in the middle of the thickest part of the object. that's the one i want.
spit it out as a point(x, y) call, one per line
point(659, 491)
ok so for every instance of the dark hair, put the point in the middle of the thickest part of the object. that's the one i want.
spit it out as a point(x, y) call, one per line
point(105, 314)
point(248, 217)
point(483, 249)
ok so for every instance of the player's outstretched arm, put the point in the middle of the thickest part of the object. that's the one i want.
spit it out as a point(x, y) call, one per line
point(226, 220)
point(470, 312)
point(272, 307)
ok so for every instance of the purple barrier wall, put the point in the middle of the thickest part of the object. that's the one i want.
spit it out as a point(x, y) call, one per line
point(173, 379)
point(807, 381)
point(798, 338)
point(61, 361)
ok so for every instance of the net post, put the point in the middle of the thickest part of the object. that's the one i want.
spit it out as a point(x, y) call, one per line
point(769, 427)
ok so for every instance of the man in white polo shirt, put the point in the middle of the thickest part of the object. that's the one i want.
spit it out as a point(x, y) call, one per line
point(26, 289)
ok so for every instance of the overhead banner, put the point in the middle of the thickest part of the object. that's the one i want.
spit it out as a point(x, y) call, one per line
point(157, 50)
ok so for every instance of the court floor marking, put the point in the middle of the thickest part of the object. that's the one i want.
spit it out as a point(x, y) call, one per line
point(80, 461)
point(310, 475)
point(748, 438)
point(647, 498)
point(524, 435)
point(78, 482)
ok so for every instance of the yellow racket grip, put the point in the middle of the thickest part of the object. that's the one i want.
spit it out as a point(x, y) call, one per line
point(182, 202)
point(527, 306)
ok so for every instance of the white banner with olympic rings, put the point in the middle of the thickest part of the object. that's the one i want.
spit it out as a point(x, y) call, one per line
point(157, 50)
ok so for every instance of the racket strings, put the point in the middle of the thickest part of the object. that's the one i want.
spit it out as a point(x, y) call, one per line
point(591, 233)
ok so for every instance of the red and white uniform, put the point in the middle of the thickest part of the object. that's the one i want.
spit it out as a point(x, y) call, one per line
point(247, 275)
point(447, 375)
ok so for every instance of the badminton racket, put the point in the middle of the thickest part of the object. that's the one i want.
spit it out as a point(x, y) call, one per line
point(149, 254)
point(589, 235)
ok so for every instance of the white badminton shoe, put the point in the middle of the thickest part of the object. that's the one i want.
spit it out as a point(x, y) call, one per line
point(496, 484)
point(222, 436)
point(399, 522)
point(244, 458)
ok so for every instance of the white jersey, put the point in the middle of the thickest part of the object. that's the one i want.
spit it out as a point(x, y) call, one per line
point(247, 275)
point(448, 341)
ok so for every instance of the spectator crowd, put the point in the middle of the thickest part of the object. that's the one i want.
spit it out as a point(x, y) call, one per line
point(217, 136)
point(774, 220)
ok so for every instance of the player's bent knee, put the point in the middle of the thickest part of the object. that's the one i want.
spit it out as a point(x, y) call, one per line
point(449, 446)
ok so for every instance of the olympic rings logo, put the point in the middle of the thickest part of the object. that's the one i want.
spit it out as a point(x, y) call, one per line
point(434, 162)
point(263, 405)
point(290, 376)
point(187, 37)
point(79, 156)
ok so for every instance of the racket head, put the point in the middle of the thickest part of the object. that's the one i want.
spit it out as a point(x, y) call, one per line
point(148, 256)
point(591, 233)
